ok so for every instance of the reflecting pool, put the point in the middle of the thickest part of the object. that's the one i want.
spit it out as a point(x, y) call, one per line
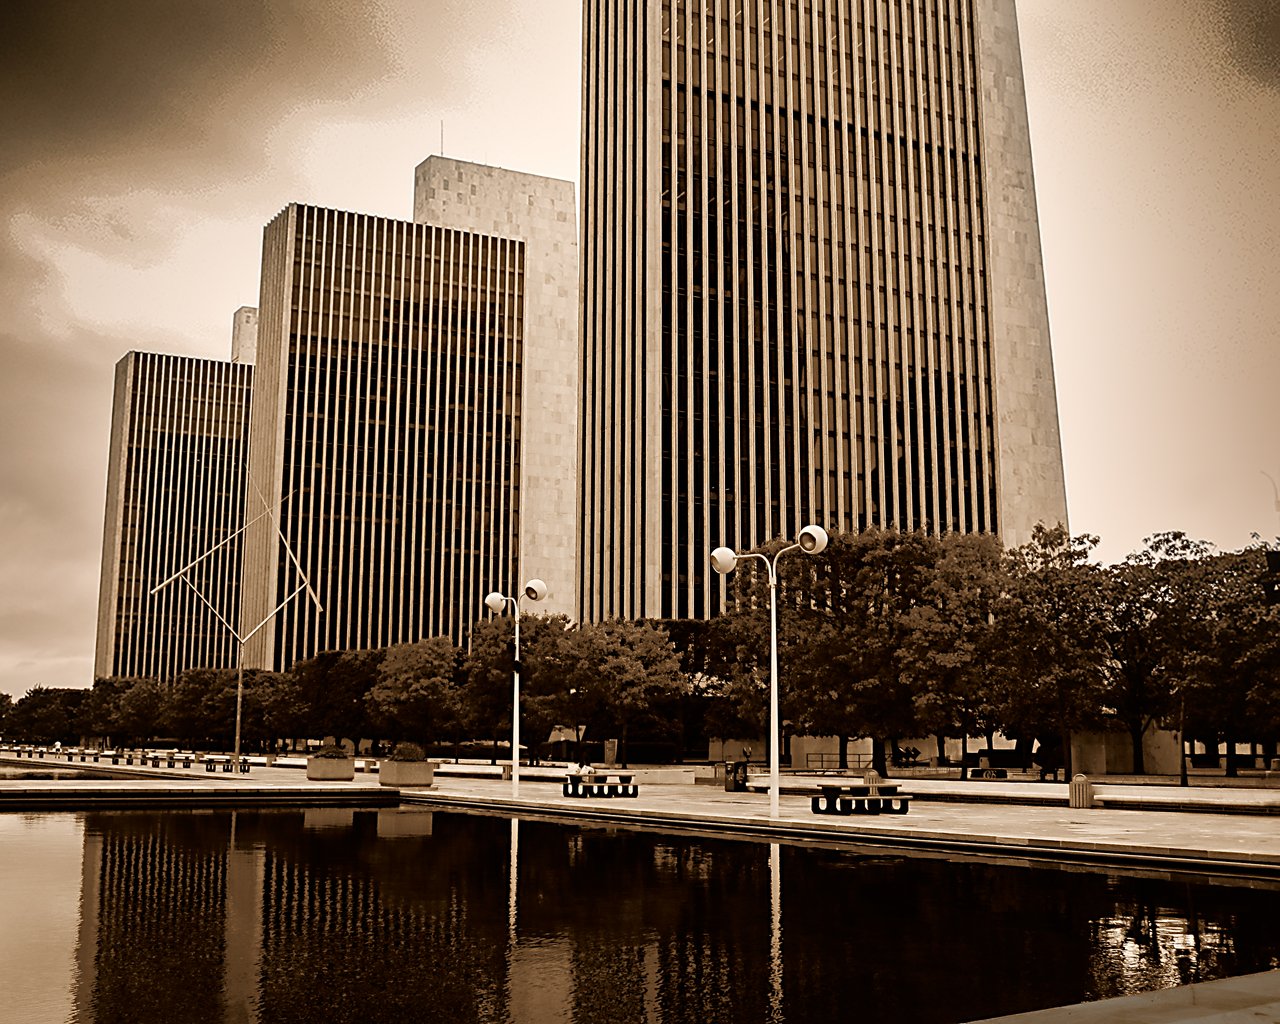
point(52, 771)
point(409, 915)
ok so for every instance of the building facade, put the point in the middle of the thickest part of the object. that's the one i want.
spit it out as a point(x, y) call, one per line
point(812, 285)
point(175, 490)
point(244, 335)
point(541, 213)
point(386, 430)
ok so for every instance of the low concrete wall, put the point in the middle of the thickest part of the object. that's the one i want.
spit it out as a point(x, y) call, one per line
point(1111, 753)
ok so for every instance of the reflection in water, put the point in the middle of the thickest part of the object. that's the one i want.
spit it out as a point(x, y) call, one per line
point(408, 916)
point(513, 881)
point(775, 933)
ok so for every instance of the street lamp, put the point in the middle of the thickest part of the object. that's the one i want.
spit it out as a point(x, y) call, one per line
point(812, 541)
point(534, 590)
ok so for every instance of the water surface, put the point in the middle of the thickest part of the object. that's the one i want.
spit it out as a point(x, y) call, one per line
point(404, 915)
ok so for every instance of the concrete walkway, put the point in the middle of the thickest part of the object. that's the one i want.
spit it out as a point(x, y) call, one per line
point(1246, 844)
point(987, 818)
point(120, 786)
point(1253, 999)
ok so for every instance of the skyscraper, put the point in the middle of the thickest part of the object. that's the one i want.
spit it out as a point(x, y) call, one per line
point(540, 212)
point(388, 427)
point(175, 490)
point(812, 285)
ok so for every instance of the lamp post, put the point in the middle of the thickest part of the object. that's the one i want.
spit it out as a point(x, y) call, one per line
point(812, 541)
point(534, 590)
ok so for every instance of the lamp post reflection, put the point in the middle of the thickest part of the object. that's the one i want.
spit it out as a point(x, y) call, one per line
point(775, 933)
point(513, 882)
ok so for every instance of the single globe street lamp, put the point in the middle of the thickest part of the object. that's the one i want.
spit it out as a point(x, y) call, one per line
point(812, 541)
point(534, 590)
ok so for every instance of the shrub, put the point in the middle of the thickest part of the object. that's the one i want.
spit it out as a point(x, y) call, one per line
point(408, 752)
point(331, 753)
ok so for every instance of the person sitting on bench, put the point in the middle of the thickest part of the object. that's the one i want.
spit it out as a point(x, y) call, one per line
point(1048, 756)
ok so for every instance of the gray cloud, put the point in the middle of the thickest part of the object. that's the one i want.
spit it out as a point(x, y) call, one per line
point(1252, 32)
point(99, 80)
point(132, 127)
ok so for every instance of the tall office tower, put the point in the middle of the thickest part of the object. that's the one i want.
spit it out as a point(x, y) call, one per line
point(541, 213)
point(175, 489)
point(812, 285)
point(387, 428)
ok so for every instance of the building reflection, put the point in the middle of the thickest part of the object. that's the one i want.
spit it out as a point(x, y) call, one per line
point(405, 916)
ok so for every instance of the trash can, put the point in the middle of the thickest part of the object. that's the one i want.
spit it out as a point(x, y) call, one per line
point(735, 776)
point(1081, 794)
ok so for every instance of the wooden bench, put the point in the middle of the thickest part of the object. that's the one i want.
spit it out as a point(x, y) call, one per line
point(870, 797)
point(604, 784)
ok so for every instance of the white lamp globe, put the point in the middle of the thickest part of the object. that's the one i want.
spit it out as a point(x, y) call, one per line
point(813, 540)
point(723, 560)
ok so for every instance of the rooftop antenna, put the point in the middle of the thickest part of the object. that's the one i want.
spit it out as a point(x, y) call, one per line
point(442, 136)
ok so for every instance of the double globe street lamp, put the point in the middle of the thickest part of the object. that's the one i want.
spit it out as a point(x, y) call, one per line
point(812, 541)
point(534, 590)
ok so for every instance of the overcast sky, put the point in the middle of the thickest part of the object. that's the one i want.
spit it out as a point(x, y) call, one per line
point(145, 144)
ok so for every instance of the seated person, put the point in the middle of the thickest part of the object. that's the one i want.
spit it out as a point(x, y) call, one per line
point(1048, 756)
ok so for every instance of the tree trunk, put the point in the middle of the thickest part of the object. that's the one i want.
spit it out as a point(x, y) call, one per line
point(964, 754)
point(1231, 757)
point(942, 747)
point(622, 747)
point(1136, 732)
point(843, 763)
point(1067, 768)
point(878, 758)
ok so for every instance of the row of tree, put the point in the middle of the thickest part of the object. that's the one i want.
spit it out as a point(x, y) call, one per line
point(602, 679)
point(891, 634)
point(884, 635)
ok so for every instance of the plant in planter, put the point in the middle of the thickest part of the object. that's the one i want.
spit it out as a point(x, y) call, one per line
point(407, 766)
point(331, 764)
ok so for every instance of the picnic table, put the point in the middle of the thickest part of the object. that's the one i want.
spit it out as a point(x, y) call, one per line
point(597, 783)
point(871, 796)
point(212, 761)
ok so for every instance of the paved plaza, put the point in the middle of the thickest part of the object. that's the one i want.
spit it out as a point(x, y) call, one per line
point(1004, 819)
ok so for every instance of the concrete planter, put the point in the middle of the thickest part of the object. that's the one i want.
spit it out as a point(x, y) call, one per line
point(331, 769)
point(406, 773)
